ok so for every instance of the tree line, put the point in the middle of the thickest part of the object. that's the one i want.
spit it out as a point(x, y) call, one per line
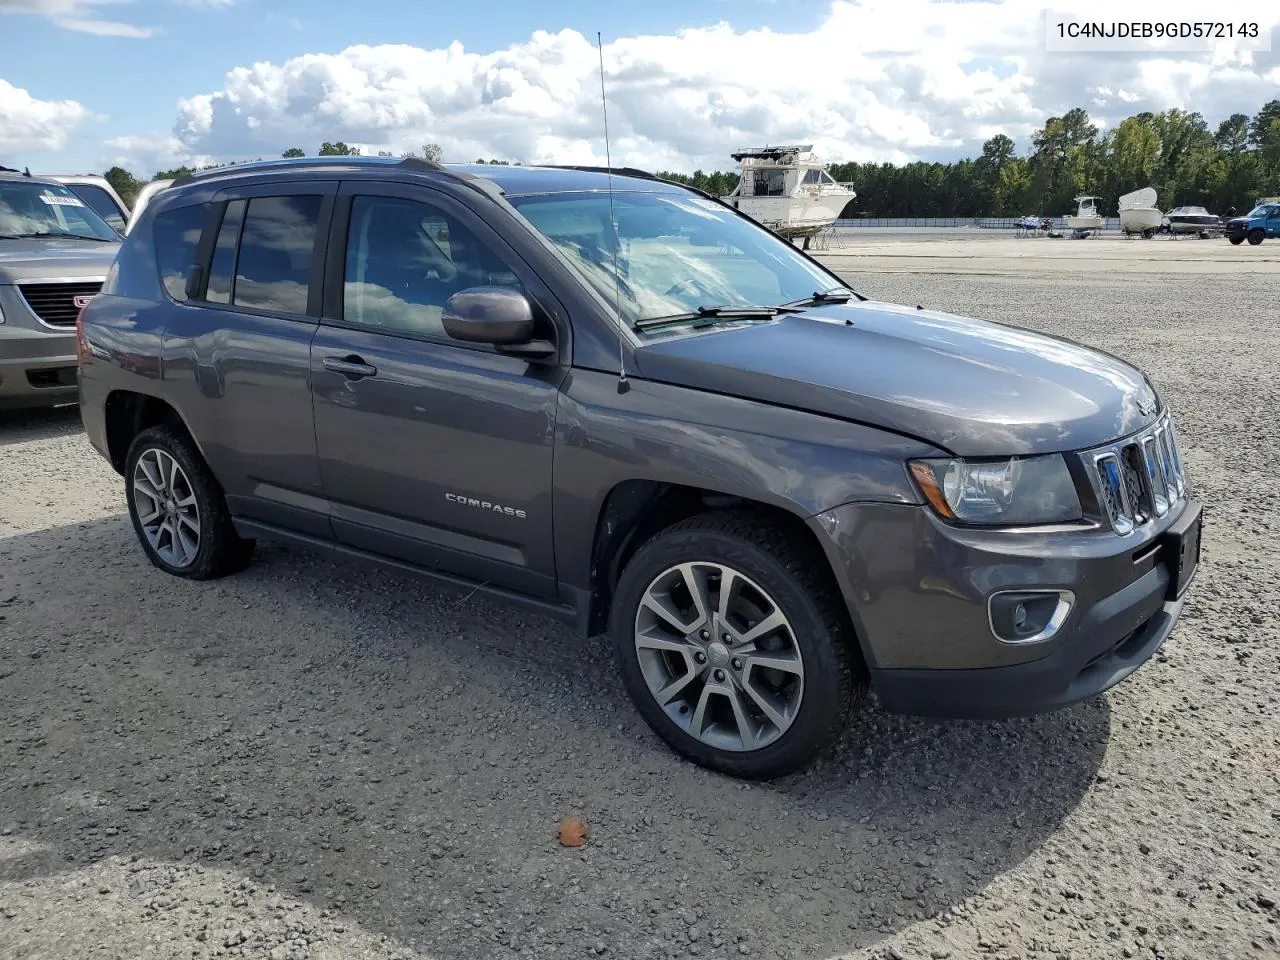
point(1224, 169)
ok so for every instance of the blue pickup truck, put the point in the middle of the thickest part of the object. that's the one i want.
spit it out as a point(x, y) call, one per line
point(1255, 226)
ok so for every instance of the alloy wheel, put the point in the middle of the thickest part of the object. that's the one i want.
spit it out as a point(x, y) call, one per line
point(719, 656)
point(166, 505)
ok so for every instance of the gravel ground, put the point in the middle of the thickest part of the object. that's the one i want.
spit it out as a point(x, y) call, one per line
point(317, 759)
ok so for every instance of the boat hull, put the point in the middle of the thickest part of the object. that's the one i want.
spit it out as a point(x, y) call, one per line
point(802, 216)
point(1193, 224)
point(1084, 223)
point(1140, 219)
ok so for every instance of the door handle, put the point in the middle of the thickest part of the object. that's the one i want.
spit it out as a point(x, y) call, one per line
point(351, 367)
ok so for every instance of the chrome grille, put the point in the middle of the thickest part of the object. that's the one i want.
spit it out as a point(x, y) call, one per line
point(1139, 478)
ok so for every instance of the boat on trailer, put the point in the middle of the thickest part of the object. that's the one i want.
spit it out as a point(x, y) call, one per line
point(1194, 220)
point(1087, 219)
point(1139, 213)
point(788, 190)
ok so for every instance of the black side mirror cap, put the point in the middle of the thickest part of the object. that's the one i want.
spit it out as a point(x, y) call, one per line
point(496, 315)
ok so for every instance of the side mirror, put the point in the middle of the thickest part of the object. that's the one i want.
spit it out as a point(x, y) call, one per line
point(495, 315)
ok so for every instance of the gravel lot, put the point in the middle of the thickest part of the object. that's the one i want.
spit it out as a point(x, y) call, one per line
point(316, 759)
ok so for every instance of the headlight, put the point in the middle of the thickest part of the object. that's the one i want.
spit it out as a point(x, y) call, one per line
point(1014, 491)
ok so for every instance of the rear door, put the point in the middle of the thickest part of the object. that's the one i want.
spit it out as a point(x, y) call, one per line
point(238, 355)
point(431, 450)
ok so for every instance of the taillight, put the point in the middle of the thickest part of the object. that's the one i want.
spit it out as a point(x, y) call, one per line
point(83, 353)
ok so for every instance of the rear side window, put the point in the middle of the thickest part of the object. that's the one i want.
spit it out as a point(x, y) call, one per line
point(273, 267)
point(176, 233)
point(100, 202)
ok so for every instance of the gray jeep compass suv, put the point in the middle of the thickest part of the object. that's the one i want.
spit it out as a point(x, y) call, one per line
point(619, 402)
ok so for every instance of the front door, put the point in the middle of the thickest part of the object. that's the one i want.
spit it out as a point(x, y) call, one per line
point(431, 450)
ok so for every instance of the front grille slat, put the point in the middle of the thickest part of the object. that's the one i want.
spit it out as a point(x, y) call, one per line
point(1139, 478)
point(54, 302)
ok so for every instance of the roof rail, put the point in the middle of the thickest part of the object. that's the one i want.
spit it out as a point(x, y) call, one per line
point(413, 163)
point(618, 171)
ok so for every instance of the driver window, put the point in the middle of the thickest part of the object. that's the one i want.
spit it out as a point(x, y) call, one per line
point(405, 259)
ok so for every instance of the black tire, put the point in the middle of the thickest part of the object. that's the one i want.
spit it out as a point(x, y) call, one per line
point(1148, 233)
point(796, 577)
point(1236, 241)
point(1256, 236)
point(220, 551)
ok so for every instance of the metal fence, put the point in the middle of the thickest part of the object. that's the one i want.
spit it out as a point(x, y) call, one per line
point(1111, 224)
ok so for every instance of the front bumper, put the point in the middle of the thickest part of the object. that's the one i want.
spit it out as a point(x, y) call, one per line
point(36, 366)
point(917, 590)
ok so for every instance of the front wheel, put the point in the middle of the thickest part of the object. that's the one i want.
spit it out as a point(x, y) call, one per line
point(1256, 236)
point(1236, 241)
point(735, 646)
point(178, 510)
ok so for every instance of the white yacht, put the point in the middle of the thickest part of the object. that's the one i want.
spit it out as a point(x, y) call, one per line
point(1139, 213)
point(788, 190)
point(1087, 219)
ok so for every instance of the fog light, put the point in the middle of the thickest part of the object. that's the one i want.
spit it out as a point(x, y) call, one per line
point(1020, 616)
point(1028, 616)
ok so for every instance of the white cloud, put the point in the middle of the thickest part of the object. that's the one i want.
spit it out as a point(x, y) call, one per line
point(29, 125)
point(879, 79)
point(78, 15)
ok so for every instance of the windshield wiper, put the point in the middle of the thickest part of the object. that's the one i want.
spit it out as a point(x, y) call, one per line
point(45, 234)
point(714, 313)
point(836, 295)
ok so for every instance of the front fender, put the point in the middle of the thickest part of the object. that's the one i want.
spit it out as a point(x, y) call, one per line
point(801, 462)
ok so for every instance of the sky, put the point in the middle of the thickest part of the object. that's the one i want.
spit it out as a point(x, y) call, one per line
point(150, 84)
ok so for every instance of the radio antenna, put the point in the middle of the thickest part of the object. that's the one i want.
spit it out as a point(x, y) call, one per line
point(623, 385)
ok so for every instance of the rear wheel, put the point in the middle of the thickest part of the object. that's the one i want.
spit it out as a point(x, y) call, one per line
point(1256, 236)
point(735, 646)
point(178, 509)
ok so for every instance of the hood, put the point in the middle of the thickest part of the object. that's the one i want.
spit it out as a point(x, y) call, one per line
point(51, 258)
point(972, 387)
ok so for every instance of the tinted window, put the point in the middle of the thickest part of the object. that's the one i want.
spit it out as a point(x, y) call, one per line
point(100, 201)
point(273, 269)
point(405, 259)
point(771, 183)
point(223, 267)
point(176, 236)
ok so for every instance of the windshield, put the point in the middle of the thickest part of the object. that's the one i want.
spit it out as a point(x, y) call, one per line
point(1262, 210)
point(676, 254)
point(35, 209)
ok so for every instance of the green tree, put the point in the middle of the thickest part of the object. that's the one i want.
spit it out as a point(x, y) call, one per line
point(338, 149)
point(1233, 134)
point(124, 183)
point(292, 153)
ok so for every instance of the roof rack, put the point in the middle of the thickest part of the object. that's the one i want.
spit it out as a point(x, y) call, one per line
point(412, 163)
point(617, 171)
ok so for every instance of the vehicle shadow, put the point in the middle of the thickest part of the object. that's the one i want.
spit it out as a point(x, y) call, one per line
point(400, 754)
point(23, 426)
